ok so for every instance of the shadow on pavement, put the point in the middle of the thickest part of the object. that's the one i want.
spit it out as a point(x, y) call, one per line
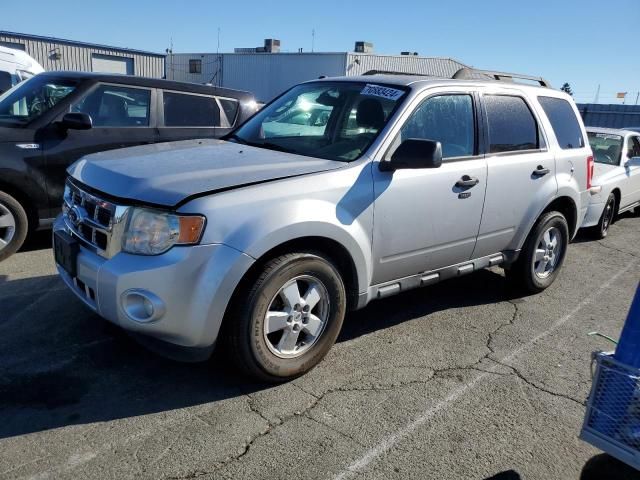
point(62, 365)
point(37, 241)
point(606, 467)
point(506, 475)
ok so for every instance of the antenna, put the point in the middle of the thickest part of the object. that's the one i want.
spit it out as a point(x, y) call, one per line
point(313, 39)
point(597, 95)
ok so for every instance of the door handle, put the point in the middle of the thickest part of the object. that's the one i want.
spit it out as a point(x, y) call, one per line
point(540, 171)
point(467, 182)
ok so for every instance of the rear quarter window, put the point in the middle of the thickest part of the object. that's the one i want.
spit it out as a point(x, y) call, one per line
point(563, 121)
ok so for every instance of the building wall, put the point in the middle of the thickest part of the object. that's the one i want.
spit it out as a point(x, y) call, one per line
point(75, 56)
point(267, 75)
point(610, 116)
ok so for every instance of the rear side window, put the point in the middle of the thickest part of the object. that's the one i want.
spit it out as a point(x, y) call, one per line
point(230, 108)
point(183, 110)
point(564, 122)
point(512, 126)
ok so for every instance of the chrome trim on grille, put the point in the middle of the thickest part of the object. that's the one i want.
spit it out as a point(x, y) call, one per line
point(97, 223)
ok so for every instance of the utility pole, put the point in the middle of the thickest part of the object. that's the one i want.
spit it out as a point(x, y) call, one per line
point(597, 94)
point(313, 39)
point(637, 95)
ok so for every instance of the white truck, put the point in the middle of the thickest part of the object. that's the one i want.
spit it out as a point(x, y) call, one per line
point(16, 66)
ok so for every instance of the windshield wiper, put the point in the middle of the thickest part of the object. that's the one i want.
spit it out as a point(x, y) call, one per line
point(272, 146)
point(235, 137)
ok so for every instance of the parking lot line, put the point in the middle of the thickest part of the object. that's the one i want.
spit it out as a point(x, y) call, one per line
point(394, 438)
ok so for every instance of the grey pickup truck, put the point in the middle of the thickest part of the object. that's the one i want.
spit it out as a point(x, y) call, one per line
point(339, 192)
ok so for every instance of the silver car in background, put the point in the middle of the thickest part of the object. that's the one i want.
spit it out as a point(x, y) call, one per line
point(340, 192)
point(616, 178)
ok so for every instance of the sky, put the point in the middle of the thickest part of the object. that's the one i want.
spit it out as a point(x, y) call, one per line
point(585, 43)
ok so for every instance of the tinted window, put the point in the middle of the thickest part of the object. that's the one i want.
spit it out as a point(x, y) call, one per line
point(511, 124)
point(182, 110)
point(564, 122)
point(448, 119)
point(113, 106)
point(230, 108)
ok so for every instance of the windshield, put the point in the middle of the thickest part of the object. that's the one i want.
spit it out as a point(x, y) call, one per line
point(606, 147)
point(31, 98)
point(336, 121)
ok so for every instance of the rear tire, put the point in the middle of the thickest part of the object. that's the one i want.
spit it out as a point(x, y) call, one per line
point(601, 230)
point(284, 322)
point(542, 255)
point(14, 225)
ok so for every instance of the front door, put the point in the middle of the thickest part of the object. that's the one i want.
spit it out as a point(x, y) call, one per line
point(122, 117)
point(427, 219)
point(631, 191)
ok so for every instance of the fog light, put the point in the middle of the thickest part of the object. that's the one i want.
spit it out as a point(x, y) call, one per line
point(142, 306)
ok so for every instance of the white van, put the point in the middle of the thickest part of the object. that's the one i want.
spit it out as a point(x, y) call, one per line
point(15, 66)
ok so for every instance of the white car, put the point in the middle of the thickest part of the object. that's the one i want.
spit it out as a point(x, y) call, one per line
point(616, 177)
point(15, 66)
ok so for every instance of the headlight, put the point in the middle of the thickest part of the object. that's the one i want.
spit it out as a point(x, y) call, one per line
point(152, 232)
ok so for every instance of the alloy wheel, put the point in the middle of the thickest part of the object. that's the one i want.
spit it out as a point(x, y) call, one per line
point(7, 226)
point(548, 252)
point(296, 317)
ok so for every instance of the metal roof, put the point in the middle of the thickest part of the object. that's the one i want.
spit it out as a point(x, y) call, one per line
point(77, 43)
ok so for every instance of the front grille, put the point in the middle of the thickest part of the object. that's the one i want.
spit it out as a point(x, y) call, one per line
point(92, 219)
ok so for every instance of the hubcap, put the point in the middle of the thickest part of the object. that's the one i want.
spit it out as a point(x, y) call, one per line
point(296, 317)
point(7, 226)
point(548, 253)
point(607, 216)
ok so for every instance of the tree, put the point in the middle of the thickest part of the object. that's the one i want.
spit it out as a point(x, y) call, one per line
point(566, 88)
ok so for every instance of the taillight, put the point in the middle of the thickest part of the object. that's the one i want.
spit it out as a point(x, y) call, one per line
point(590, 167)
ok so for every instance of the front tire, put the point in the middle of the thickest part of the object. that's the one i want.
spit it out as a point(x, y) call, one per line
point(542, 255)
point(601, 230)
point(285, 321)
point(14, 225)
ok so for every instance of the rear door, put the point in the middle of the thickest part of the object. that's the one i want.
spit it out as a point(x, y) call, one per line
point(185, 116)
point(122, 117)
point(521, 170)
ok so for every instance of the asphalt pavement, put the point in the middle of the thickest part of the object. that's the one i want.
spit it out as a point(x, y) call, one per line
point(465, 379)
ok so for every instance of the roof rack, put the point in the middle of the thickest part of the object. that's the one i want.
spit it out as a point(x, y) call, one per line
point(392, 72)
point(473, 74)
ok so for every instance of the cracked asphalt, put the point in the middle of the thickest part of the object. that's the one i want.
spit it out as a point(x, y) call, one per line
point(465, 379)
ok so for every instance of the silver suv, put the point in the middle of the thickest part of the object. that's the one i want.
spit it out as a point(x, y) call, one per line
point(339, 192)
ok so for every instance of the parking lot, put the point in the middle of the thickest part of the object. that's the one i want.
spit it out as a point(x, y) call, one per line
point(461, 380)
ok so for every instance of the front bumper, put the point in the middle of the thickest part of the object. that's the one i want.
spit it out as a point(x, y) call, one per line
point(191, 288)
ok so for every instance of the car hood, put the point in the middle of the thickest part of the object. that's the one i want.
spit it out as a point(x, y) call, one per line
point(167, 174)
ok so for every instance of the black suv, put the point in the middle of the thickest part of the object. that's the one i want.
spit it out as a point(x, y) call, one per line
point(54, 118)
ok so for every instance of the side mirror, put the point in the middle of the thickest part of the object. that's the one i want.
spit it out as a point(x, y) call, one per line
point(5, 82)
point(76, 121)
point(414, 153)
point(633, 162)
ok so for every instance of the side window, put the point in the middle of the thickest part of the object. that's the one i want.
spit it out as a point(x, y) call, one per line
point(448, 119)
point(115, 106)
point(634, 147)
point(184, 110)
point(512, 126)
point(563, 121)
point(230, 108)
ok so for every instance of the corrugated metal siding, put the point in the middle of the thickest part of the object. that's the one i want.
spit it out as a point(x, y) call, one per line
point(358, 63)
point(78, 57)
point(610, 116)
point(267, 75)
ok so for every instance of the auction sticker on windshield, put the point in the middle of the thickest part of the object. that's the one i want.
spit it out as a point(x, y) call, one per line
point(384, 92)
